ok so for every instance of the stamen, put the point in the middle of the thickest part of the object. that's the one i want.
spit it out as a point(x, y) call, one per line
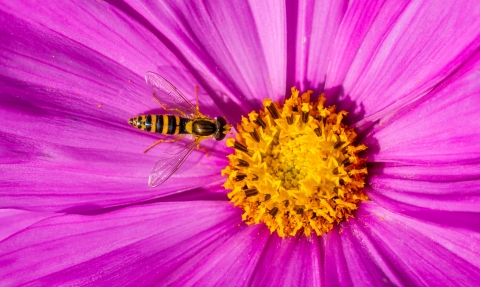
point(295, 168)
point(338, 144)
point(335, 170)
point(236, 145)
point(346, 162)
point(251, 192)
point(304, 117)
point(271, 108)
point(305, 112)
point(290, 120)
point(255, 135)
point(240, 177)
point(260, 122)
point(242, 163)
point(273, 212)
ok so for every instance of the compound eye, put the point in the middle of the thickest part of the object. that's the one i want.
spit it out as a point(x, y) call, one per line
point(220, 122)
point(219, 136)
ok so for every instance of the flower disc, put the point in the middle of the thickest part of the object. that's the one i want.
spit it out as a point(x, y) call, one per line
point(295, 167)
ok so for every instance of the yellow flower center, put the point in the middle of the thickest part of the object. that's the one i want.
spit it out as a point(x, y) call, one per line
point(295, 167)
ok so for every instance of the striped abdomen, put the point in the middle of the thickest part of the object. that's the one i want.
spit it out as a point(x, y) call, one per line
point(162, 124)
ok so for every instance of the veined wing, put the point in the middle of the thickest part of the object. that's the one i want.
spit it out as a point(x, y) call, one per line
point(168, 95)
point(169, 162)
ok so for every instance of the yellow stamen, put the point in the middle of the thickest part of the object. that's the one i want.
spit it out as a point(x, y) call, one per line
point(295, 167)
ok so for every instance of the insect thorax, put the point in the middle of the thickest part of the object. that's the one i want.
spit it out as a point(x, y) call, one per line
point(203, 127)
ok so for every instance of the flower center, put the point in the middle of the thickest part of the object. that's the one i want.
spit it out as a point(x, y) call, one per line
point(295, 167)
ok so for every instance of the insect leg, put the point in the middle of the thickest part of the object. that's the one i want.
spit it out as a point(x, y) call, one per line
point(165, 141)
point(196, 95)
point(202, 148)
point(180, 112)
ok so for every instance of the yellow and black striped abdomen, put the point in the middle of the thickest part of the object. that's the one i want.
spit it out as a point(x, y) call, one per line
point(162, 124)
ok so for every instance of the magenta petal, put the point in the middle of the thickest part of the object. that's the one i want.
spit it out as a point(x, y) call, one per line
point(225, 41)
point(94, 169)
point(193, 243)
point(12, 220)
point(389, 53)
point(335, 266)
point(290, 262)
point(87, 47)
point(312, 27)
point(348, 263)
point(443, 129)
point(64, 141)
point(444, 194)
point(229, 258)
point(383, 247)
point(61, 177)
point(87, 61)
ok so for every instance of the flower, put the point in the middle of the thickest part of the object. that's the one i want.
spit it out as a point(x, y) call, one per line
point(74, 179)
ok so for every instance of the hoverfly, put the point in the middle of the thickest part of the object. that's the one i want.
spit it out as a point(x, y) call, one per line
point(187, 121)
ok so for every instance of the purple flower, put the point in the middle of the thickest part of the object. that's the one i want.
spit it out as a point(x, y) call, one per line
point(76, 207)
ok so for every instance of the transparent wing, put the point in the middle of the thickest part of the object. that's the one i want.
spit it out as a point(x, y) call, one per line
point(169, 162)
point(168, 95)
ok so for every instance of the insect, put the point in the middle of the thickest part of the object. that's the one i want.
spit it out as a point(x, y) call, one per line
point(187, 121)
